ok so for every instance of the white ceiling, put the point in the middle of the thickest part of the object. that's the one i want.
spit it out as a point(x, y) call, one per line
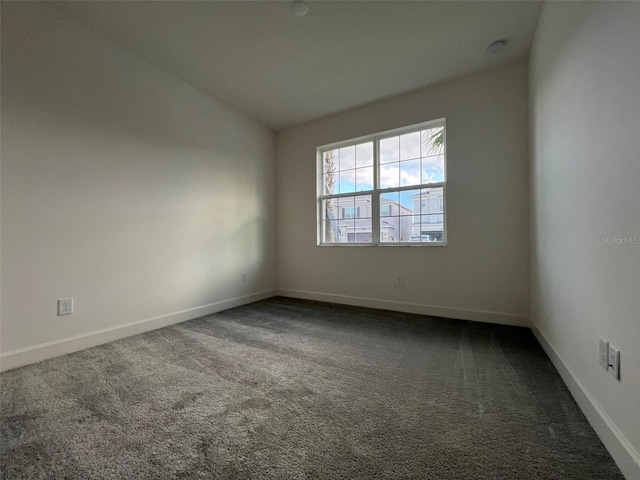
point(280, 69)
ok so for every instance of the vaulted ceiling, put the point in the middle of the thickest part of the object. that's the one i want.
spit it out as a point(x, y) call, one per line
point(282, 69)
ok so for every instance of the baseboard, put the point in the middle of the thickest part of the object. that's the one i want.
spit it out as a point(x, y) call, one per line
point(621, 450)
point(25, 356)
point(408, 307)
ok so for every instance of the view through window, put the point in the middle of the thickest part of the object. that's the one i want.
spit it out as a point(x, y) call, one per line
point(385, 189)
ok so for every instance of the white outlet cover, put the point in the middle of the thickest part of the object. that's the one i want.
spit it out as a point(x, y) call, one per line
point(614, 362)
point(65, 306)
point(603, 355)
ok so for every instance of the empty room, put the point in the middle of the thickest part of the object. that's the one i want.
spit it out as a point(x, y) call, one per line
point(319, 239)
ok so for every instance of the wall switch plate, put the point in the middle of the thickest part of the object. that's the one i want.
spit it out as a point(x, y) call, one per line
point(65, 306)
point(614, 362)
point(243, 276)
point(604, 354)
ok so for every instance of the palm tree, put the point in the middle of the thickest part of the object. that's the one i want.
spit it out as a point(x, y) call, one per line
point(434, 138)
point(330, 229)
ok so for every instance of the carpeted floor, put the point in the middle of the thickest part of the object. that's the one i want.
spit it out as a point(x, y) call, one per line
point(290, 389)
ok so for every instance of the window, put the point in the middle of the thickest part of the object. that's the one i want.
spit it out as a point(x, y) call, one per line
point(350, 212)
point(385, 189)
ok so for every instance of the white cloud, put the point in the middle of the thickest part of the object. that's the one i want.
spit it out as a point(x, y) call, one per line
point(410, 173)
point(389, 175)
point(348, 157)
point(364, 154)
point(389, 150)
point(410, 146)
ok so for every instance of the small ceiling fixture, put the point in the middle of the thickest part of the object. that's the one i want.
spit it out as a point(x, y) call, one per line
point(496, 47)
point(299, 8)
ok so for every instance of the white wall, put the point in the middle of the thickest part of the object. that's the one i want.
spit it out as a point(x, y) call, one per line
point(122, 187)
point(483, 272)
point(585, 186)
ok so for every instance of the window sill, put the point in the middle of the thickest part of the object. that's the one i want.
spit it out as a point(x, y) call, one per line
point(403, 244)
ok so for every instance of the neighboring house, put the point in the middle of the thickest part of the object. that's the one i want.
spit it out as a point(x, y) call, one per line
point(395, 222)
point(353, 219)
point(428, 218)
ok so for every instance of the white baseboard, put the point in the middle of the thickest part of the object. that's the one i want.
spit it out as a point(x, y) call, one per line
point(43, 351)
point(621, 450)
point(408, 307)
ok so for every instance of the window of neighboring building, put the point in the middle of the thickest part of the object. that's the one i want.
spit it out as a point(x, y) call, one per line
point(385, 189)
point(350, 212)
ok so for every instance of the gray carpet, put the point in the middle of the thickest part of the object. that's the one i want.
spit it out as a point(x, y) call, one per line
point(290, 389)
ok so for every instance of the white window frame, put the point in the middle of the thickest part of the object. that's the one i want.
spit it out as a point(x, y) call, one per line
point(377, 191)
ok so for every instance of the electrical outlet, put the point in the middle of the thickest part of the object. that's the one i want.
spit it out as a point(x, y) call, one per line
point(604, 354)
point(243, 276)
point(614, 362)
point(400, 282)
point(65, 306)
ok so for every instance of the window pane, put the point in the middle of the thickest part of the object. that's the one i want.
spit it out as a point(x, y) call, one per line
point(424, 203)
point(409, 201)
point(350, 212)
point(347, 181)
point(364, 154)
point(390, 197)
point(406, 228)
point(347, 158)
point(329, 169)
point(330, 182)
point(432, 141)
point(346, 229)
point(433, 169)
point(389, 204)
point(364, 179)
point(363, 203)
point(390, 150)
point(331, 161)
point(361, 231)
point(389, 175)
point(410, 173)
point(345, 205)
point(432, 196)
point(390, 229)
point(430, 208)
point(432, 226)
point(410, 146)
point(330, 220)
point(421, 237)
point(354, 219)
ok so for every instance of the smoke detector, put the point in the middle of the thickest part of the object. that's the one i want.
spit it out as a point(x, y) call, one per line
point(299, 8)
